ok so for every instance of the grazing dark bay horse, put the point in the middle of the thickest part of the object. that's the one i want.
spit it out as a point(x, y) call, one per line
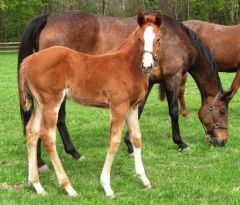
point(223, 42)
point(97, 34)
point(117, 80)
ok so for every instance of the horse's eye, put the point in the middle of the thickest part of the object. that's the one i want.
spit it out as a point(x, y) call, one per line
point(158, 40)
point(223, 111)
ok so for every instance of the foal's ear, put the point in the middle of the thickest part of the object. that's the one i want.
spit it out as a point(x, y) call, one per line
point(158, 19)
point(228, 95)
point(141, 18)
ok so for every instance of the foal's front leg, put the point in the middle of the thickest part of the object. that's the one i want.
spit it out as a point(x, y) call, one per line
point(135, 137)
point(140, 110)
point(118, 116)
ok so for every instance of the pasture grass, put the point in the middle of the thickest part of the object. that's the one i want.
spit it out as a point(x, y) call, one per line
point(202, 175)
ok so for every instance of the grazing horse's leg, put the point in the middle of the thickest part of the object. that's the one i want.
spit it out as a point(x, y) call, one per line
point(32, 133)
point(140, 110)
point(172, 90)
point(48, 136)
point(181, 97)
point(118, 116)
point(61, 125)
point(135, 137)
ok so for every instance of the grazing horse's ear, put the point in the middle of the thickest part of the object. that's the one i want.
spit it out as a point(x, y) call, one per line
point(141, 19)
point(228, 95)
point(158, 19)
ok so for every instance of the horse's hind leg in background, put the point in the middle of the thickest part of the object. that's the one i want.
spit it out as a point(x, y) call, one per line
point(181, 96)
point(140, 110)
point(118, 117)
point(135, 137)
point(172, 91)
point(68, 145)
point(62, 128)
point(235, 84)
point(48, 136)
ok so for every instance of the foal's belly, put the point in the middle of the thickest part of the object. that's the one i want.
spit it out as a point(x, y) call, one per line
point(88, 97)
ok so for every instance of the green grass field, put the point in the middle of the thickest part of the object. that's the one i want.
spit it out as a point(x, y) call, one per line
point(202, 175)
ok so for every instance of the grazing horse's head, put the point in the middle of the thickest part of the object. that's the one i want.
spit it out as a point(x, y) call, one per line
point(213, 115)
point(150, 39)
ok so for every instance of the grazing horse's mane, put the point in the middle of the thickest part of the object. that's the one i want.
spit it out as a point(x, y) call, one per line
point(204, 50)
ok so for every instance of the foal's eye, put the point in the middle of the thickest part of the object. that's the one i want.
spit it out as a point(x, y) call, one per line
point(158, 40)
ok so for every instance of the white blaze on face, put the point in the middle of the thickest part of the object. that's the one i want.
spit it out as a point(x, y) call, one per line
point(148, 37)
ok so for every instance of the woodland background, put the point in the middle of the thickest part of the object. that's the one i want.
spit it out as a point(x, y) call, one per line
point(15, 14)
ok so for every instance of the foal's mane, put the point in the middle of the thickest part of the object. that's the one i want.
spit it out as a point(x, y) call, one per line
point(204, 51)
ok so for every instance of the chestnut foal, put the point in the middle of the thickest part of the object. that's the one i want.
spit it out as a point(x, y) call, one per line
point(121, 85)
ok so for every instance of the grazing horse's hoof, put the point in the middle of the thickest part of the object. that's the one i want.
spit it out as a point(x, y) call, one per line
point(76, 155)
point(82, 158)
point(43, 168)
point(207, 139)
point(183, 147)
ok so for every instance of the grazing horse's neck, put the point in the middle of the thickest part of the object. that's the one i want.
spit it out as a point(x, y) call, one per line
point(206, 77)
point(204, 69)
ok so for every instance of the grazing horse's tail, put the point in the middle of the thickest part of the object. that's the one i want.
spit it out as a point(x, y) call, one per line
point(28, 45)
point(162, 91)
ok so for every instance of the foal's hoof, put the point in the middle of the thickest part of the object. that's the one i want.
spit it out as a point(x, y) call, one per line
point(149, 186)
point(131, 155)
point(43, 168)
point(111, 196)
point(43, 193)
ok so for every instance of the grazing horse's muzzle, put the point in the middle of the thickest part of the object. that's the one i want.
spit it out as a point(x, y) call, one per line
point(217, 142)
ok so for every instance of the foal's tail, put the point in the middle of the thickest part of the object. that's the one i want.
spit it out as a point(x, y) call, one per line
point(25, 96)
point(28, 45)
point(162, 91)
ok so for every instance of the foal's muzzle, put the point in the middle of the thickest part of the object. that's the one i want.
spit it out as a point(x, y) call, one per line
point(147, 69)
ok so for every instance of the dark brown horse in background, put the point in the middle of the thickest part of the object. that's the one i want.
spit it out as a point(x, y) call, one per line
point(223, 42)
point(117, 80)
point(181, 51)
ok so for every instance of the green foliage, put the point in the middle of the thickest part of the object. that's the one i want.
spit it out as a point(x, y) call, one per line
point(15, 14)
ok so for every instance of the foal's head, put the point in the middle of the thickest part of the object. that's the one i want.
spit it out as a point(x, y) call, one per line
point(149, 36)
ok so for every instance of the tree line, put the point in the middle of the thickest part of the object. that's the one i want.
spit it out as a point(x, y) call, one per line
point(15, 14)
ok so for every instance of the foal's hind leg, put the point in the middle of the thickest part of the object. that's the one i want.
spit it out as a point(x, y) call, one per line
point(48, 137)
point(118, 116)
point(32, 133)
point(135, 136)
point(62, 128)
